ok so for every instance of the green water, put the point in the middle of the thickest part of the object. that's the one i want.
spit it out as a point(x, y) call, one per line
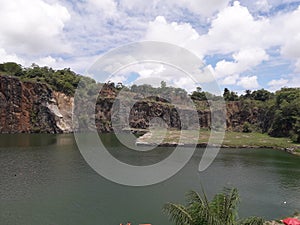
point(45, 181)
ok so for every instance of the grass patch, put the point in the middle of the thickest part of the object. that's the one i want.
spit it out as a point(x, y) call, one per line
point(231, 139)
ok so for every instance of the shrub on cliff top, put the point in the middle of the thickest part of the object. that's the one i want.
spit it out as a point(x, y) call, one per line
point(63, 80)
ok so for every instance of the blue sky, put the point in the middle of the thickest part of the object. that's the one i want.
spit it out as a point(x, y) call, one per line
point(247, 44)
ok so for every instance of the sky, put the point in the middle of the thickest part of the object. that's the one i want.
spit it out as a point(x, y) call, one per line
point(246, 44)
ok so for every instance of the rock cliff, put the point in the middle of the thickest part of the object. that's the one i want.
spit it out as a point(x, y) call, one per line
point(30, 107)
point(27, 107)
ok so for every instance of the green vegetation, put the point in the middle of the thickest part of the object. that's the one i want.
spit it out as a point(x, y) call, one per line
point(164, 91)
point(230, 95)
point(63, 80)
point(276, 114)
point(221, 210)
point(285, 111)
point(231, 139)
point(200, 95)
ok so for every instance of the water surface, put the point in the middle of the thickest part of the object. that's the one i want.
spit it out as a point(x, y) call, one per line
point(45, 181)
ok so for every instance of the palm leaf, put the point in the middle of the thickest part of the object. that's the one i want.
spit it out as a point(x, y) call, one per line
point(178, 214)
point(252, 221)
point(199, 208)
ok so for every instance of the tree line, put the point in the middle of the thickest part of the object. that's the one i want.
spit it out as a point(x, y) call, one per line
point(63, 80)
point(279, 112)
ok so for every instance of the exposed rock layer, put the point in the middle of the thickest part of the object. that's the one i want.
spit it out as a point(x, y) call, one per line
point(27, 107)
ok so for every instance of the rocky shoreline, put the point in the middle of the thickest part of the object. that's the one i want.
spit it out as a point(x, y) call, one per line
point(142, 141)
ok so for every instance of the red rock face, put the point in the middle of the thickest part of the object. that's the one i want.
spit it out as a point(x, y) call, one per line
point(24, 107)
point(27, 107)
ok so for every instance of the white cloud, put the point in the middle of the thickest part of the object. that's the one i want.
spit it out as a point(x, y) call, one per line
point(106, 7)
point(179, 34)
point(33, 27)
point(237, 32)
point(5, 57)
point(153, 74)
point(285, 30)
point(243, 61)
point(42, 31)
point(248, 82)
point(262, 5)
point(47, 61)
point(234, 29)
point(277, 84)
point(230, 80)
point(199, 7)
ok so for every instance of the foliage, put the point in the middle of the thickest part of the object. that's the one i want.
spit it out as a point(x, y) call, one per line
point(200, 95)
point(221, 210)
point(286, 114)
point(11, 68)
point(230, 95)
point(63, 80)
point(166, 92)
point(278, 114)
point(262, 95)
point(258, 95)
point(247, 128)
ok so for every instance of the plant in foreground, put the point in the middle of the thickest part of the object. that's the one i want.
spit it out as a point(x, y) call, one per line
point(222, 210)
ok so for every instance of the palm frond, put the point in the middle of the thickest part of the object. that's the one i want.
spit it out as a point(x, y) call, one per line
point(225, 205)
point(232, 201)
point(222, 210)
point(252, 221)
point(178, 214)
point(200, 209)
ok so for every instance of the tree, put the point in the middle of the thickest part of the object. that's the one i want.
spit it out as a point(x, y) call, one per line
point(163, 84)
point(222, 210)
point(261, 95)
point(286, 114)
point(248, 95)
point(230, 95)
point(198, 95)
point(11, 68)
point(247, 128)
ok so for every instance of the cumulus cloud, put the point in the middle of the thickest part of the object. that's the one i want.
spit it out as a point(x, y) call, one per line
point(243, 61)
point(248, 82)
point(234, 29)
point(62, 33)
point(179, 34)
point(108, 8)
point(153, 74)
point(289, 36)
point(200, 7)
point(5, 57)
point(35, 27)
point(277, 84)
point(263, 5)
point(230, 80)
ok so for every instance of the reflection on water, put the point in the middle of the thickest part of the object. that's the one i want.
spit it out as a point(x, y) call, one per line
point(26, 140)
point(44, 180)
point(134, 157)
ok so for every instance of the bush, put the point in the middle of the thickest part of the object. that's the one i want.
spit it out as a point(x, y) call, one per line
point(247, 128)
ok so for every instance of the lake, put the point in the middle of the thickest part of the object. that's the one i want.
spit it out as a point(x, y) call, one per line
point(44, 180)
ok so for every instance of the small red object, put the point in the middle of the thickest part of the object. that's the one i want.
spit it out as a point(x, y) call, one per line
point(291, 221)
